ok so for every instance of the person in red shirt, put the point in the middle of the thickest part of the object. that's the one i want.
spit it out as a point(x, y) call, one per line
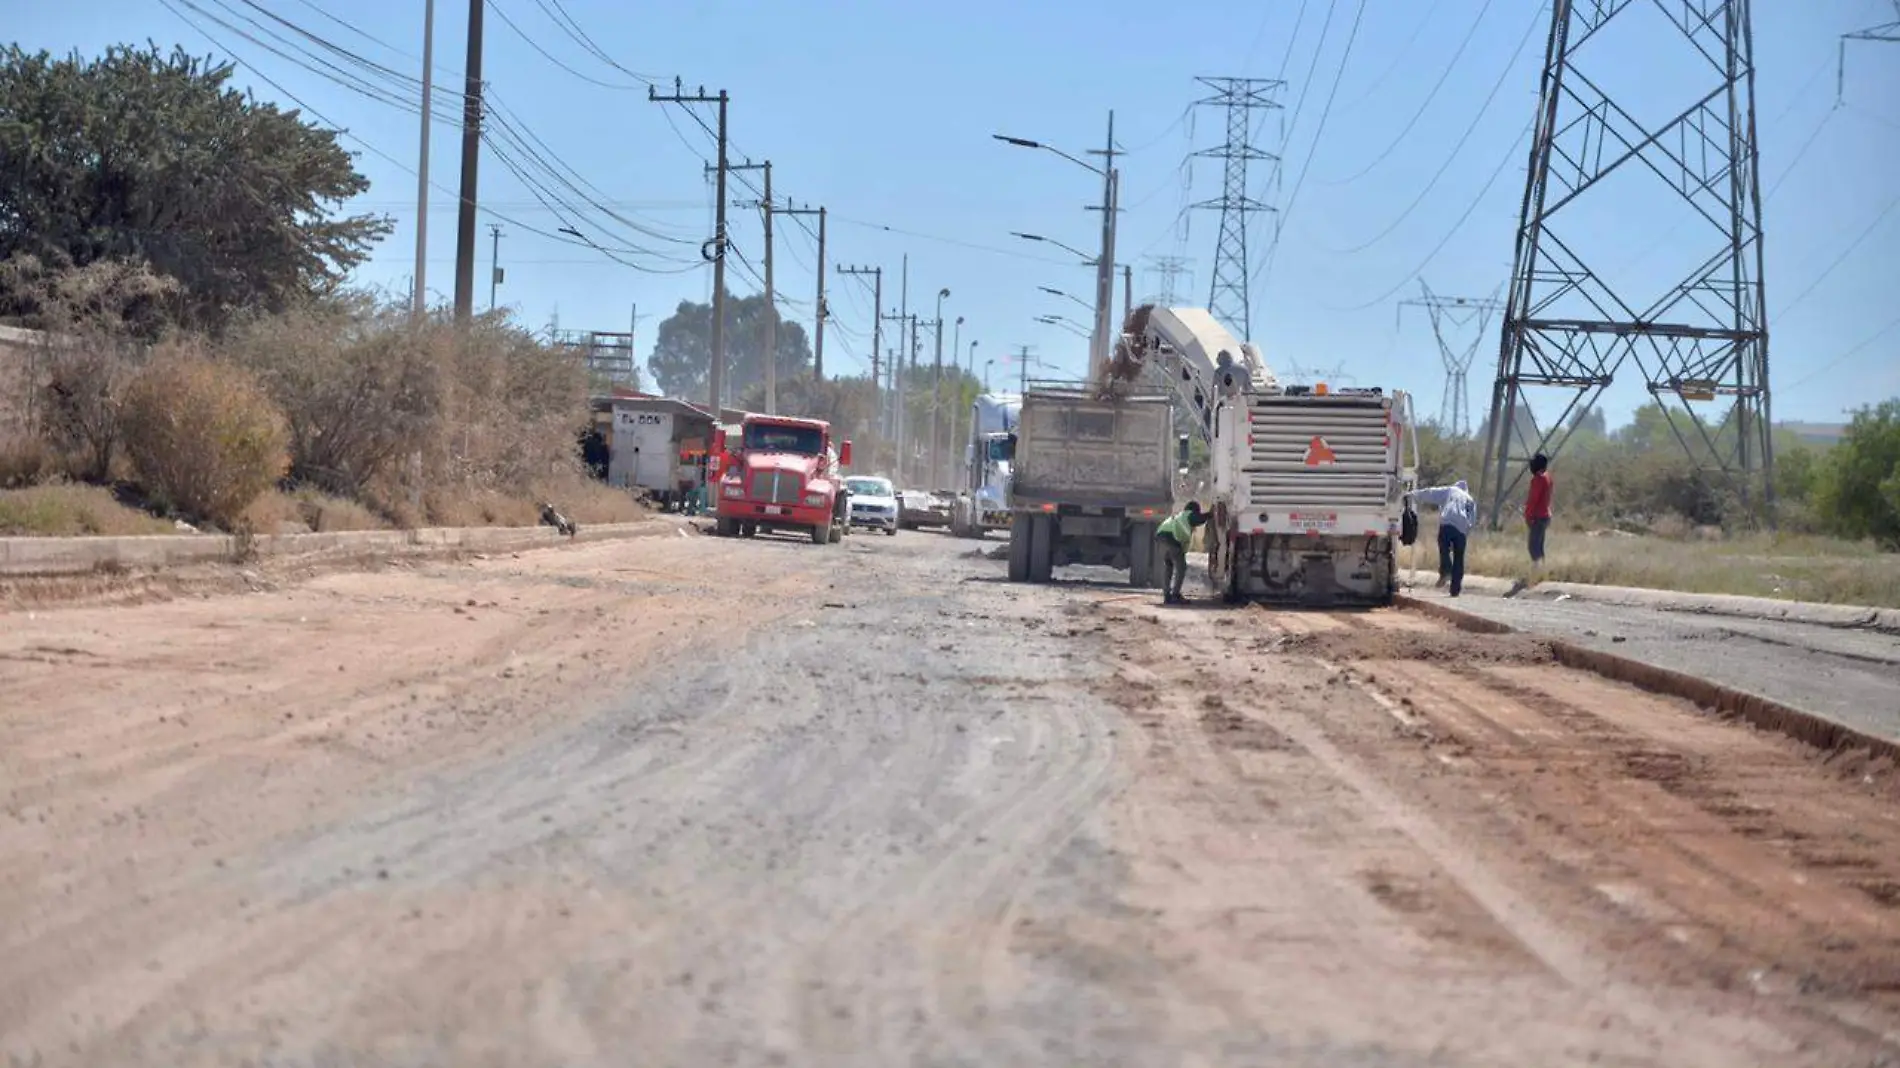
point(1537, 507)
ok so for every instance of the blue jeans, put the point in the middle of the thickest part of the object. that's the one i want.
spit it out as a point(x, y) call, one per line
point(1451, 556)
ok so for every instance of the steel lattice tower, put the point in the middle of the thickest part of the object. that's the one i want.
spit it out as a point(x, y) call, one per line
point(1227, 298)
point(1698, 335)
point(1466, 315)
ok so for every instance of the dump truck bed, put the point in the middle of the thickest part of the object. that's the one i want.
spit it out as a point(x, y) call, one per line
point(1073, 448)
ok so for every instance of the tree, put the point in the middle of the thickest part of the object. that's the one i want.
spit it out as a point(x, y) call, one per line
point(682, 351)
point(143, 157)
point(1859, 491)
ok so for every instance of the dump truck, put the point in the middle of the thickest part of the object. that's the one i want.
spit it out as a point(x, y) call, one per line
point(1308, 484)
point(982, 502)
point(782, 473)
point(1092, 476)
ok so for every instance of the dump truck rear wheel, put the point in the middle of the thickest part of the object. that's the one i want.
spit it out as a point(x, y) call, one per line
point(1042, 548)
point(1019, 552)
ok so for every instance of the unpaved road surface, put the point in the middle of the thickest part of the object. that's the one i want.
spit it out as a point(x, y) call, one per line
point(686, 801)
point(1850, 675)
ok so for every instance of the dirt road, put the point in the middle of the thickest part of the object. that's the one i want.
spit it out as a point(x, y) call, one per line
point(687, 801)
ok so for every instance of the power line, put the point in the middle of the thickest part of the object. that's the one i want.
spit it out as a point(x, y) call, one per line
point(1865, 344)
point(549, 56)
point(1293, 198)
point(1423, 106)
point(1457, 150)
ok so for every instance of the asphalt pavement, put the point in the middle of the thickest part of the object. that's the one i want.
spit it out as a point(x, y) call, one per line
point(1849, 675)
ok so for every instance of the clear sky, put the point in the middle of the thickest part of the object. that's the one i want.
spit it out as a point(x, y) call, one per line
point(1401, 118)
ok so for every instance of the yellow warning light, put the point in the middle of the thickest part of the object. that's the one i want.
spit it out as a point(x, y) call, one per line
point(1319, 390)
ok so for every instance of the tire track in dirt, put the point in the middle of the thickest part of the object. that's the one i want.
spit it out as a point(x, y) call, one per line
point(1491, 724)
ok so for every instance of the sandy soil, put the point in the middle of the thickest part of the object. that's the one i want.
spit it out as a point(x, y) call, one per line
point(697, 801)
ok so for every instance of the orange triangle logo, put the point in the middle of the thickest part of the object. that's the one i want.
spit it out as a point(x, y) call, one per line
point(1319, 453)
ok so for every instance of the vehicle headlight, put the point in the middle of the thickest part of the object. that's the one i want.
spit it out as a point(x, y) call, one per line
point(814, 500)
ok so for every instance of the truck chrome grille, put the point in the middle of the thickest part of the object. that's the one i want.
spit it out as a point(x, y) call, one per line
point(775, 487)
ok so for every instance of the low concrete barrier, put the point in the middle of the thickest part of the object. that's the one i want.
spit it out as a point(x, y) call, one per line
point(66, 556)
point(1815, 730)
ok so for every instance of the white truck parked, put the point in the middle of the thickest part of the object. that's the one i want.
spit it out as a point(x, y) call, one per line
point(982, 502)
point(1307, 484)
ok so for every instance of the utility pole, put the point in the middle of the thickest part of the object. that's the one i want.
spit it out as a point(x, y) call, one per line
point(471, 160)
point(1105, 265)
point(877, 330)
point(717, 377)
point(771, 298)
point(1128, 291)
point(899, 370)
point(1022, 367)
point(494, 264)
point(818, 342)
point(422, 166)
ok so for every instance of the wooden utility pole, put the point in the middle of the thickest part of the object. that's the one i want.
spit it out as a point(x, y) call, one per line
point(494, 265)
point(471, 160)
point(818, 342)
point(713, 250)
point(770, 327)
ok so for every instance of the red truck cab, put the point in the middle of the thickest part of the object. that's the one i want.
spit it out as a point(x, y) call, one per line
point(781, 474)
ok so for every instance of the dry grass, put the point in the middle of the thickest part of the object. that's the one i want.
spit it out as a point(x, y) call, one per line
point(309, 510)
point(69, 510)
point(1786, 567)
point(588, 501)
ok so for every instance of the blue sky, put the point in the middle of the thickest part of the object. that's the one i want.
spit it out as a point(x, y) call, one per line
point(883, 113)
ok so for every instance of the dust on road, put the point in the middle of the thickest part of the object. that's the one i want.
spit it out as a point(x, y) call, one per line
point(694, 801)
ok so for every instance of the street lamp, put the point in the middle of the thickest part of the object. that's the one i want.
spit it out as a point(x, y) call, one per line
point(987, 364)
point(1059, 293)
point(1105, 263)
point(1087, 260)
point(1022, 143)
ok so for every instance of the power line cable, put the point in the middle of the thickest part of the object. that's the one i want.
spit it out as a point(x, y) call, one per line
point(1423, 106)
point(1456, 152)
point(1319, 135)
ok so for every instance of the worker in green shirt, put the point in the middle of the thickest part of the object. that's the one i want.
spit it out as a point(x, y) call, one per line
point(1173, 537)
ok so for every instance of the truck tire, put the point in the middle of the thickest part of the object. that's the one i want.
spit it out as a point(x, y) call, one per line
point(1141, 557)
point(821, 534)
point(1019, 550)
point(1042, 548)
point(725, 527)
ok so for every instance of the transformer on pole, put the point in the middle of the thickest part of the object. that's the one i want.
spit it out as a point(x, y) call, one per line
point(1576, 318)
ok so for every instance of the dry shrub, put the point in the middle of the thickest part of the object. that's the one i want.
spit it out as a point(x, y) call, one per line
point(586, 500)
point(427, 423)
point(61, 510)
point(95, 323)
point(204, 438)
point(308, 510)
point(27, 460)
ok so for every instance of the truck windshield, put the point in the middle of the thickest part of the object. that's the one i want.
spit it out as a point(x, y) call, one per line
point(999, 450)
point(769, 437)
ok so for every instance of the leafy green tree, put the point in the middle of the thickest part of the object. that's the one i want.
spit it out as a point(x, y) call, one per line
point(682, 351)
point(146, 157)
point(1859, 491)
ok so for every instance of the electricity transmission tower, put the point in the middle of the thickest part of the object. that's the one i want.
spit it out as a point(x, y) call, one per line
point(1886, 31)
point(1698, 333)
point(1169, 268)
point(1227, 297)
point(1455, 314)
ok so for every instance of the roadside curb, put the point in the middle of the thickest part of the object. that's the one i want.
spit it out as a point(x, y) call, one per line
point(28, 557)
point(1807, 727)
point(1809, 613)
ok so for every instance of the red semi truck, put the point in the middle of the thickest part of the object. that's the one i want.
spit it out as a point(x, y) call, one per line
point(781, 474)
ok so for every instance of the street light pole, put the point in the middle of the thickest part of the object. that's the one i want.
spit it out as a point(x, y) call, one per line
point(936, 394)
